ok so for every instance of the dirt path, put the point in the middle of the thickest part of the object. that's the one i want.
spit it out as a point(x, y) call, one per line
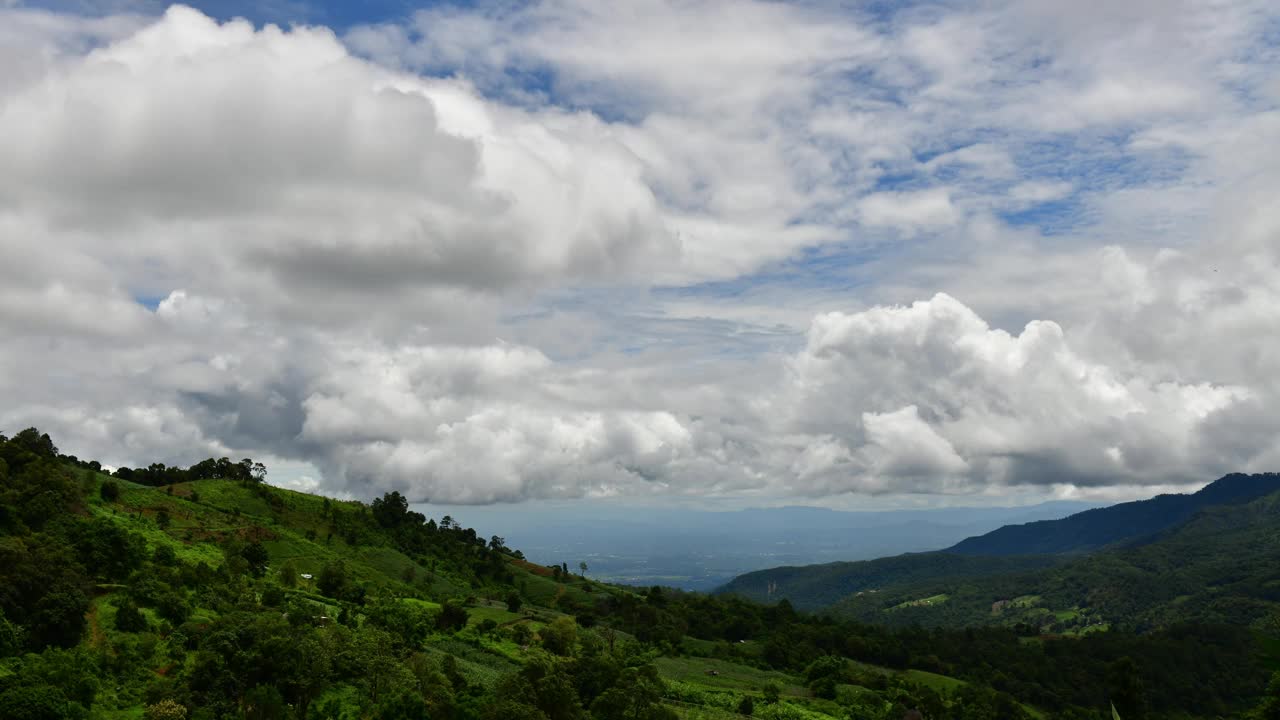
point(98, 638)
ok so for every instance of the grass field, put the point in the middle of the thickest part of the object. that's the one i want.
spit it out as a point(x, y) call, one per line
point(922, 602)
point(730, 676)
point(934, 681)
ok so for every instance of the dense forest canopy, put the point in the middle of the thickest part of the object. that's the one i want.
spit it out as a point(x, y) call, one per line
point(205, 593)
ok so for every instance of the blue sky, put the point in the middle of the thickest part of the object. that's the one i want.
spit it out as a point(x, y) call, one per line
point(706, 251)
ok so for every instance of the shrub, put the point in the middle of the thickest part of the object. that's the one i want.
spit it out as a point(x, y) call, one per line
point(165, 710)
point(130, 619)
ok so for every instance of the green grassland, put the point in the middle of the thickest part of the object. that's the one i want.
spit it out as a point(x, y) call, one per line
point(727, 676)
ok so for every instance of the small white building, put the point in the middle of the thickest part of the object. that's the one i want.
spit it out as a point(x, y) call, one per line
point(306, 576)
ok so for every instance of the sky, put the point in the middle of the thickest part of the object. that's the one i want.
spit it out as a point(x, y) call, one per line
point(663, 252)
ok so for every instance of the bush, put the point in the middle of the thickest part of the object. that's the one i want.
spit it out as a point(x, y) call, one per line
point(110, 490)
point(130, 619)
point(560, 636)
point(165, 710)
point(273, 596)
point(164, 555)
point(172, 606)
point(453, 616)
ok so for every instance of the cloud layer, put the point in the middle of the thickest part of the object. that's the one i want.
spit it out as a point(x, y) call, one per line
point(690, 249)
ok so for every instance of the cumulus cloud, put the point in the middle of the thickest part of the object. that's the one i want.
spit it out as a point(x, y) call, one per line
point(685, 248)
point(943, 395)
point(273, 166)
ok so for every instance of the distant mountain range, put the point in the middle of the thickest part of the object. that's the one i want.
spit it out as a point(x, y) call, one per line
point(1098, 528)
point(1213, 555)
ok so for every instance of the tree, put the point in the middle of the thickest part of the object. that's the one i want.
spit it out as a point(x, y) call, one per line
point(59, 618)
point(10, 637)
point(37, 703)
point(312, 668)
point(582, 568)
point(332, 580)
point(288, 574)
point(514, 601)
point(409, 624)
point(520, 634)
point(824, 674)
point(162, 519)
point(637, 696)
point(560, 636)
point(33, 441)
point(746, 706)
point(403, 706)
point(172, 606)
point(255, 553)
point(390, 510)
point(772, 693)
point(1124, 685)
point(453, 615)
point(165, 555)
point(130, 619)
point(264, 702)
point(1269, 708)
point(110, 490)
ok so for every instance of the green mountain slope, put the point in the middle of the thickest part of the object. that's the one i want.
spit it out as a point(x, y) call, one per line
point(205, 593)
point(1222, 565)
point(813, 587)
point(1094, 529)
point(982, 589)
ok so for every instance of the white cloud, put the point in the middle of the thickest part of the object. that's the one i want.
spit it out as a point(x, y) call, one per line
point(941, 393)
point(274, 166)
point(909, 211)
point(470, 266)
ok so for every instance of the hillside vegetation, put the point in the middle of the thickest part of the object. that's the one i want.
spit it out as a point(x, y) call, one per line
point(814, 587)
point(1221, 566)
point(203, 592)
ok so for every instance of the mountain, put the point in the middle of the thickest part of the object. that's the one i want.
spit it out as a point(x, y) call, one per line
point(703, 549)
point(204, 592)
point(814, 587)
point(1222, 565)
point(1097, 528)
point(904, 582)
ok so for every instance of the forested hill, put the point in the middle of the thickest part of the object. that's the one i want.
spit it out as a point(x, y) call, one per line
point(1222, 566)
point(815, 587)
point(203, 593)
point(1010, 549)
point(1093, 529)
